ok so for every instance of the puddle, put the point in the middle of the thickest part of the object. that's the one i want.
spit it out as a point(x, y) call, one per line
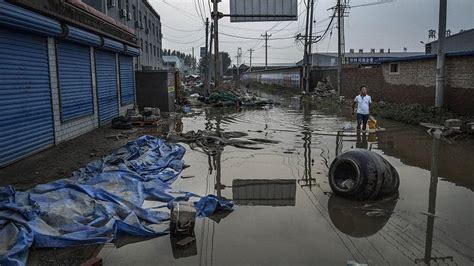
point(286, 213)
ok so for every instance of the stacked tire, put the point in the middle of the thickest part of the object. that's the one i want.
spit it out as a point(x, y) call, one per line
point(362, 175)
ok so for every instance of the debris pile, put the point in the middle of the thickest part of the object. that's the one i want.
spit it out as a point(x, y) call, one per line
point(212, 142)
point(231, 98)
point(323, 90)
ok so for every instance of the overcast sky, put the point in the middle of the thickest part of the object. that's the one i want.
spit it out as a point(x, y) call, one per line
point(395, 25)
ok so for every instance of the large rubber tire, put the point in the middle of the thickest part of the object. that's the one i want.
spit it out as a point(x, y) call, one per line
point(361, 174)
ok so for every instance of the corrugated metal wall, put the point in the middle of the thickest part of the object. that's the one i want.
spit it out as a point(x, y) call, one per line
point(75, 80)
point(26, 117)
point(127, 83)
point(106, 86)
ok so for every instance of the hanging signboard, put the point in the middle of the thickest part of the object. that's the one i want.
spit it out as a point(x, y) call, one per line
point(263, 10)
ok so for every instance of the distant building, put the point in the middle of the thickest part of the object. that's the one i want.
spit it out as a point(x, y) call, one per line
point(140, 16)
point(360, 58)
point(173, 61)
point(459, 42)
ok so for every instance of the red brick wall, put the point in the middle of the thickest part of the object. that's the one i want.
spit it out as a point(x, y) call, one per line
point(415, 82)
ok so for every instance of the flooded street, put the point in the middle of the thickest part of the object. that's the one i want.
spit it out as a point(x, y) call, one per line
point(285, 211)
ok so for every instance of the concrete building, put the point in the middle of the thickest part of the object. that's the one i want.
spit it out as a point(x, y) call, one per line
point(140, 16)
point(459, 42)
point(173, 61)
point(360, 58)
point(62, 75)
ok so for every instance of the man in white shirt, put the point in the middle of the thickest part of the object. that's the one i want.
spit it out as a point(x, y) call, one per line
point(363, 102)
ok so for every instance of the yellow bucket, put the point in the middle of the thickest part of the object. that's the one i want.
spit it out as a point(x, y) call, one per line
point(372, 123)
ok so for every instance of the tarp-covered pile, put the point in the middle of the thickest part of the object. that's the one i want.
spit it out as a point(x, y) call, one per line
point(98, 203)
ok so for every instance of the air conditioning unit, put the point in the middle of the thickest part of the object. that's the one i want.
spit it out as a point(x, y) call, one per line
point(129, 16)
point(137, 24)
point(123, 13)
point(111, 3)
point(147, 31)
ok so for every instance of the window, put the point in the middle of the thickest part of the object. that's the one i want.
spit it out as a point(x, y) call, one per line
point(127, 5)
point(134, 12)
point(393, 68)
point(151, 49)
point(153, 28)
point(154, 50)
point(146, 46)
point(120, 4)
point(158, 32)
point(141, 43)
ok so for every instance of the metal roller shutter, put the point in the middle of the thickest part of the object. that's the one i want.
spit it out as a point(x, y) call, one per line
point(75, 81)
point(127, 84)
point(106, 86)
point(26, 117)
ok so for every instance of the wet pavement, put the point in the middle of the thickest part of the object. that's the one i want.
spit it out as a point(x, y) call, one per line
point(285, 212)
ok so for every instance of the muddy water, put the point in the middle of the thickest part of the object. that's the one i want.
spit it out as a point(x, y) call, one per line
point(286, 213)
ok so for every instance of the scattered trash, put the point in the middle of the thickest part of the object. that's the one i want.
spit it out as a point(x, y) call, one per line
point(187, 176)
point(362, 174)
point(183, 218)
point(121, 122)
point(185, 242)
point(347, 127)
point(354, 263)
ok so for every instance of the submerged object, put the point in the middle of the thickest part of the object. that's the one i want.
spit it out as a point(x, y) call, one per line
point(361, 174)
point(183, 218)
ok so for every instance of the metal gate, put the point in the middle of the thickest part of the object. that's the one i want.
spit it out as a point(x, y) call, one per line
point(106, 86)
point(127, 84)
point(75, 81)
point(26, 116)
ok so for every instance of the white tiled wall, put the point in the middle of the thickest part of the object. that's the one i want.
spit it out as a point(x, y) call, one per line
point(74, 128)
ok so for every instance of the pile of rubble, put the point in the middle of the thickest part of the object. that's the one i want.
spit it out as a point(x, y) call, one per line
point(231, 98)
point(150, 116)
point(324, 90)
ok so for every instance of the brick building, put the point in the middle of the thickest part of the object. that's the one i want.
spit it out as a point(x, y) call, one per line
point(413, 80)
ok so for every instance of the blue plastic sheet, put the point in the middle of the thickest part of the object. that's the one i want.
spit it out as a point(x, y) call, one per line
point(98, 202)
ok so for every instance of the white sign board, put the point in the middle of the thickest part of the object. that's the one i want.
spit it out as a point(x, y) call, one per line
point(263, 10)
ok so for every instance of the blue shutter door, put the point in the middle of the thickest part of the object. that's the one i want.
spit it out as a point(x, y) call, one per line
point(75, 81)
point(26, 116)
point(106, 86)
point(127, 84)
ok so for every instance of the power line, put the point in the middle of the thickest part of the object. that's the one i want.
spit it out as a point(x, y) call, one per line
point(179, 42)
point(180, 29)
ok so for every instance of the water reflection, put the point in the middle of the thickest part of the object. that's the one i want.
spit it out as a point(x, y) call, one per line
point(360, 219)
point(428, 258)
point(277, 192)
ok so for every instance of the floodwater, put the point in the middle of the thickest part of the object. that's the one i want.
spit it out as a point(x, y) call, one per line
point(285, 212)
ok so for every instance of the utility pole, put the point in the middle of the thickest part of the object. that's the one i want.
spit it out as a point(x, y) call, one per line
point(206, 59)
point(266, 36)
point(305, 55)
point(309, 53)
point(193, 63)
point(440, 63)
point(208, 87)
point(340, 42)
point(215, 16)
point(239, 55)
point(251, 51)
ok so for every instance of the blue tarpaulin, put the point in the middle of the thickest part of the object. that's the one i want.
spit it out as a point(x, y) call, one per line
point(98, 202)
